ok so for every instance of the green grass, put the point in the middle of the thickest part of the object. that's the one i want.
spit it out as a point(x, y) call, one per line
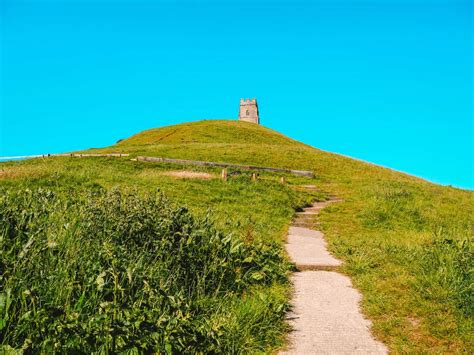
point(260, 210)
point(244, 316)
point(406, 243)
point(115, 271)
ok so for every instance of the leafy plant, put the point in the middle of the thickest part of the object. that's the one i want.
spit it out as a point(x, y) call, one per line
point(116, 271)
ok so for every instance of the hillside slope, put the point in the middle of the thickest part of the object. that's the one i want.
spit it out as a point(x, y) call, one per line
point(241, 142)
point(406, 243)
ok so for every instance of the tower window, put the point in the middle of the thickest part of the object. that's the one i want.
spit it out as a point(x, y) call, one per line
point(248, 113)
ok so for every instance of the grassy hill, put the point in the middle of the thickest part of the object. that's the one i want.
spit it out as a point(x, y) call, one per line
point(406, 243)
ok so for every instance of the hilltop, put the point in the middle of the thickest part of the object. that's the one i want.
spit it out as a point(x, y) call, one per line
point(208, 131)
point(405, 242)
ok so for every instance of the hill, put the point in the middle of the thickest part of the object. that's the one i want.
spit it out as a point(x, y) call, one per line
point(406, 243)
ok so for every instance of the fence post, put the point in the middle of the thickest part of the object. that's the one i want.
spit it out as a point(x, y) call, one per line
point(224, 174)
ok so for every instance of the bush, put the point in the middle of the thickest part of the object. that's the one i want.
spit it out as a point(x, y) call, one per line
point(113, 271)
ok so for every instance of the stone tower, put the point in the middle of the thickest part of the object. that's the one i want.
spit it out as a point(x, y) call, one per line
point(249, 111)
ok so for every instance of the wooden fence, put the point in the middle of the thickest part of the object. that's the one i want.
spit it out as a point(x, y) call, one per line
point(168, 160)
point(78, 155)
point(226, 165)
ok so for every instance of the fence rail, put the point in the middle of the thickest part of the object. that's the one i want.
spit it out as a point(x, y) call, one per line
point(225, 165)
point(168, 160)
point(78, 155)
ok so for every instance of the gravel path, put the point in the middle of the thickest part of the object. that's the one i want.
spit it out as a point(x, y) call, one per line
point(326, 317)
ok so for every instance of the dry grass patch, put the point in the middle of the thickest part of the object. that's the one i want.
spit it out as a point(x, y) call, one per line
point(32, 169)
point(187, 174)
point(179, 174)
point(8, 173)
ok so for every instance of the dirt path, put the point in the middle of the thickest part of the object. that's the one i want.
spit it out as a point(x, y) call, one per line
point(326, 317)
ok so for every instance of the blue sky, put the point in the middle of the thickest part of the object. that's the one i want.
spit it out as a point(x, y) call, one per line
point(386, 81)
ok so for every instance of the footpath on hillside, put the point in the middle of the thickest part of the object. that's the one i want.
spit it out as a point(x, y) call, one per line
point(325, 317)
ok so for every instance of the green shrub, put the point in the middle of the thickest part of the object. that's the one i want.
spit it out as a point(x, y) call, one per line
point(114, 271)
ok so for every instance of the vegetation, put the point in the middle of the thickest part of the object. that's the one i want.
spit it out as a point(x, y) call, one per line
point(406, 243)
point(117, 272)
point(45, 195)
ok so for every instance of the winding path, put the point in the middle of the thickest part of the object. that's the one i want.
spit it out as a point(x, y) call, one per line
point(326, 317)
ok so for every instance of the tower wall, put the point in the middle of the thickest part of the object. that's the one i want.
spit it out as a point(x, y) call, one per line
point(249, 111)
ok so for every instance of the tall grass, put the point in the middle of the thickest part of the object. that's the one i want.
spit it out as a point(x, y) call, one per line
point(444, 265)
point(116, 271)
point(446, 271)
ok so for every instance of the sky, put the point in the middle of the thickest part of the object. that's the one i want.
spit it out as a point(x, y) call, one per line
point(386, 81)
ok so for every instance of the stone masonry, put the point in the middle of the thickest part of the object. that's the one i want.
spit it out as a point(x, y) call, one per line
point(249, 111)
